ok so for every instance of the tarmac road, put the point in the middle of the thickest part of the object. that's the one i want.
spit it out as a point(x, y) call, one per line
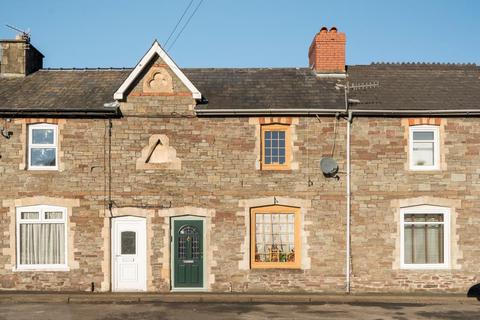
point(245, 311)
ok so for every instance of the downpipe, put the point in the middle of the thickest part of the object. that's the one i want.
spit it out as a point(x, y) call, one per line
point(348, 208)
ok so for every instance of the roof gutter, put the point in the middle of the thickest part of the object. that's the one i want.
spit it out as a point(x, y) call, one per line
point(232, 112)
point(60, 113)
point(446, 112)
point(357, 112)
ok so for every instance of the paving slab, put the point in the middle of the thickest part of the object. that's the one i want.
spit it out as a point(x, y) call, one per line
point(119, 298)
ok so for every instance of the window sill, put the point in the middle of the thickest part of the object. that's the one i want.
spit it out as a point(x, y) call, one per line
point(41, 269)
point(424, 169)
point(42, 169)
point(425, 267)
point(275, 267)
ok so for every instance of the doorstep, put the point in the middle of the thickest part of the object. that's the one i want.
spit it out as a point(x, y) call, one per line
point(8, 297)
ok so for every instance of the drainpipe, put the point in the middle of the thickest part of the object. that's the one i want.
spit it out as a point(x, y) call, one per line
point(348, 195)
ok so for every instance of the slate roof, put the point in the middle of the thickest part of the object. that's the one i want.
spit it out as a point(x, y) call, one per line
point(265, 88)
point(416, 86)
point(66, 92)
point(420, 87)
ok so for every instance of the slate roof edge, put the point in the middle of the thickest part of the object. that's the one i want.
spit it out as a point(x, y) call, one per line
point(298, 111)
point(357, 112)
point(59, 113)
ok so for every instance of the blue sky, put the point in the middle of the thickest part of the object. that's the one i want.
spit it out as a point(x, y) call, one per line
point(246, 33)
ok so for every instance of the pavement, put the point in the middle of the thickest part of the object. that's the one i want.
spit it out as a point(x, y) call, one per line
point(241, 306)
point(13, 297)
point(242, 311)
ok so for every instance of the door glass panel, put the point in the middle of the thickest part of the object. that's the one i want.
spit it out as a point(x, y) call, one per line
point(128, 239)
point(188, 243)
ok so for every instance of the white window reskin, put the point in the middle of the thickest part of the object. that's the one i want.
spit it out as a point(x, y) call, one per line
point(425, 234)
point(41, 237)
point(42, 147)
point(424, 148)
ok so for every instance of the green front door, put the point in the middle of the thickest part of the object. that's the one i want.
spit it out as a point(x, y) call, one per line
point(188, 253)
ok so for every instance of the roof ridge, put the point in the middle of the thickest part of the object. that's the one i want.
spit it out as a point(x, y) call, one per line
point(413, 63)
point(88, 69)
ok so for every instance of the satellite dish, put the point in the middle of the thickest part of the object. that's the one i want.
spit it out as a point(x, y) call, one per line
point(329, 166)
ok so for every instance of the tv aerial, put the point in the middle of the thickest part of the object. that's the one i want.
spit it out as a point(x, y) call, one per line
point(24, 34)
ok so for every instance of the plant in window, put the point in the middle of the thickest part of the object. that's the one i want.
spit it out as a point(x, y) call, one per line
point(424, 148)
point(275, 237)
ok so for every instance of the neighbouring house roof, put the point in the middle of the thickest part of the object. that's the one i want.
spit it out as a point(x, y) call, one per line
point(416, 87)
point(63, 92)
point(422, 88)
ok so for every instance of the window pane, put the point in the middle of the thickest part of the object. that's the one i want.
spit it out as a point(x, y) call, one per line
point(128, 239)
point(42, 243)
point(411, 217)
point(435, 243)
point(274, 148)
point(43, 157)
point(273, 242)
point(423, 135)
point(419, 254)
point(408, 244)
point(42, 136)
point(423, 153)
point(30, 215)
point(54, 215)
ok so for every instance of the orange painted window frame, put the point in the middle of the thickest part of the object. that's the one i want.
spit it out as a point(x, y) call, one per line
point(288, 157)
point(275, 265)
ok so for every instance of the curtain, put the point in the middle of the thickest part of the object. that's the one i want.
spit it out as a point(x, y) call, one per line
point(42, 243)
point(423, 243)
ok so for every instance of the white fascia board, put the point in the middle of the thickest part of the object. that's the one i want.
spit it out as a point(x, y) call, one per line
point(155, 49)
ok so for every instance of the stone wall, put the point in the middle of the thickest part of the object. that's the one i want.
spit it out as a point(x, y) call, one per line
point(219, 179)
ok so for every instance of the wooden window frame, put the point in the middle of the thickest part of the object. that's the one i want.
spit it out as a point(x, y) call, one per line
point(425, 209)
point(436, 147)
point(276, 127)
point(275, 265)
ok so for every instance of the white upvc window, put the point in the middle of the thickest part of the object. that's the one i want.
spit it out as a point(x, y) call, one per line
point(41, 238)
point(424, 148)
point(42, 146)
point(425, 237)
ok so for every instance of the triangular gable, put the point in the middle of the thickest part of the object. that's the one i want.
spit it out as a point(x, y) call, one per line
point(155, 49)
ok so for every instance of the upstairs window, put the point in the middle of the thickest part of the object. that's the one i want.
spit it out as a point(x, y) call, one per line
point(425, 234)
point(42, 147)
point(275, 147)
point(424, 148)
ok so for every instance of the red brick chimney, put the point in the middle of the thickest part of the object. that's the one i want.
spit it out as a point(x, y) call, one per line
point(327, 51)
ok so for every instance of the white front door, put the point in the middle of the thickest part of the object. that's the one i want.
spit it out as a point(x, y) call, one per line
point(129, 261)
